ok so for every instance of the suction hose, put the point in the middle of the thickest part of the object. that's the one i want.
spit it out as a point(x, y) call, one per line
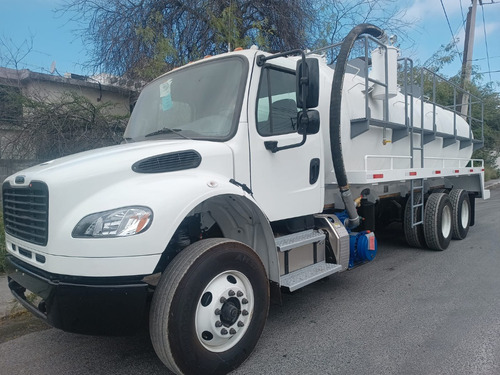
point(335, 114)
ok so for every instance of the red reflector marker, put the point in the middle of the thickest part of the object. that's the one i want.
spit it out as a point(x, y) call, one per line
point(482, 170)
point(471, 170)
point(380, 175)
point(413, 173)
point(437, 172)
point(457, 171)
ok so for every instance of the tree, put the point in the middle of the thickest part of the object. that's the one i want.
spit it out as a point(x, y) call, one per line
point(335, 18)
point(138, 38)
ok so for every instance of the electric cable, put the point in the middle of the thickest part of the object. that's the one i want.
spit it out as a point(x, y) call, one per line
point(449, 26)
point(486, 43)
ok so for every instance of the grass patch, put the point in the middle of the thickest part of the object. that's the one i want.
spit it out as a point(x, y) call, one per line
point(491, 173)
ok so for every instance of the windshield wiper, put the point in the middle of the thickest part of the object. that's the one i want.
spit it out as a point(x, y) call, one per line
point(166, 131)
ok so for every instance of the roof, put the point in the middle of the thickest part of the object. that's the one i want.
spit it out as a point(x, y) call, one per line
point(8, 76)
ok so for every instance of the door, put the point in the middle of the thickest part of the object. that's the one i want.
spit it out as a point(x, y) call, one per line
point(288, 183)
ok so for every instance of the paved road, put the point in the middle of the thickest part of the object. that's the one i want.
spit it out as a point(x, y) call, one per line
point(410, 311)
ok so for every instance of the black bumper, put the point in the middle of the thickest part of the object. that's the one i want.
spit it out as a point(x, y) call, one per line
point(97, 306)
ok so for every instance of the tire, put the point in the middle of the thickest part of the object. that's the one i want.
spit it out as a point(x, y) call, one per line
point(209, 308)
point(414, 235)
point(460, 203)
point(437, 221)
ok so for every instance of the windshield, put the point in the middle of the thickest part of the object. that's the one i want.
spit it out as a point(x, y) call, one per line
point(199, 102)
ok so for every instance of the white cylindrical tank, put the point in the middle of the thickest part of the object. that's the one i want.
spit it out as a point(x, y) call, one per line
point(377, 142)
point(379, 56)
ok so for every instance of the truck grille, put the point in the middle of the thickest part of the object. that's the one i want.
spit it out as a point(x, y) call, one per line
point(26, 212)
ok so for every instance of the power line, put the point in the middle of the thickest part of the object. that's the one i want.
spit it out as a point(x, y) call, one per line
point(486, 42)
point(449, 26)
point(484, 58)
point(463, 17)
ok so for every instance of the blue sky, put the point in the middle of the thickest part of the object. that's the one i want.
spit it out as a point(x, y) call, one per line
point(53, 39)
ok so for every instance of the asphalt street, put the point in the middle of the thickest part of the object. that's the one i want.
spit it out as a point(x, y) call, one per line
point(410, 311)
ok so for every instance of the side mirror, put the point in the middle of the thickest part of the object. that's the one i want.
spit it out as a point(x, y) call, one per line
point(307, 83)
point(308, 122)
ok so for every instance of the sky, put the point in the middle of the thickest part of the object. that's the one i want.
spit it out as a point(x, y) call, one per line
point(54, 39)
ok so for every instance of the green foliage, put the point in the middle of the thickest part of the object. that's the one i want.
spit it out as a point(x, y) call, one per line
point(154, 63)
point(228, 27)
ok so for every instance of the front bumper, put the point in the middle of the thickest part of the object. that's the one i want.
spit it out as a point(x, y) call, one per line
point(89, 305)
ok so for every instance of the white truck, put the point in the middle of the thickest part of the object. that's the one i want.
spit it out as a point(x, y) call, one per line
point(240, 175)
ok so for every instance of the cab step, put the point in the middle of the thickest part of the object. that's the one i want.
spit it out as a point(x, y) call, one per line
point(308, 275)
point(294, 240)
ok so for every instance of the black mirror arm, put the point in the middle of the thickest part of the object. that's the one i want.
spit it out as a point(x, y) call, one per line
point(273, 145)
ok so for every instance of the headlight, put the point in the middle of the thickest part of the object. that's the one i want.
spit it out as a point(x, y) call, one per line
point(121, 222)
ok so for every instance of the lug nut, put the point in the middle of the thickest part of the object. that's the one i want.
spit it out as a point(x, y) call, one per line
point(223, 300)
point(218, 324)
point(217, 311)
point(231, 293)
point(244, 301)
point(240, 293)
point(232, 331)
point(240, 324)
point(244, 313)
point(223, 331)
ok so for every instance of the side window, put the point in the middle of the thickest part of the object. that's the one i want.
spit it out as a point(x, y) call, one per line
point(276, 106)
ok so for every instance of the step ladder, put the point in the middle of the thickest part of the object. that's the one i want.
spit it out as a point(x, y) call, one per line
point(417, 185)
point(306, 275)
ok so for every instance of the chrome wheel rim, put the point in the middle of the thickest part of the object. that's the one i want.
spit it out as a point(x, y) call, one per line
point(224, 311)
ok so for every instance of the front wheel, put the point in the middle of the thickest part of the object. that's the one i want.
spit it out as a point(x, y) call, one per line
point(209, 308)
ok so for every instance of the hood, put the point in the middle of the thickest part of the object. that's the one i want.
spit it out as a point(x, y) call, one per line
point(109, 164)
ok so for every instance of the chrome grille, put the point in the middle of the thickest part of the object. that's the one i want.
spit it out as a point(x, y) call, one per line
point(26, 212)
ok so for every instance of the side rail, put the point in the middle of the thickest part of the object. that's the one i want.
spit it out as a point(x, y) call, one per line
point(436, 92)
point(423, 91)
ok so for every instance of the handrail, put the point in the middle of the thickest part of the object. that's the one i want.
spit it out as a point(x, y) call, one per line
point(443, 159)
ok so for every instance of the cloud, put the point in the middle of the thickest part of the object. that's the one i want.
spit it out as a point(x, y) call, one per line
point(424, 9)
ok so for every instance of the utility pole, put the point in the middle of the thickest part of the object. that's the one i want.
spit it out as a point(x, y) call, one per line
point(467, 57)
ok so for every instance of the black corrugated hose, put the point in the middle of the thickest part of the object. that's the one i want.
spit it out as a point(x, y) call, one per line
point(335, 114)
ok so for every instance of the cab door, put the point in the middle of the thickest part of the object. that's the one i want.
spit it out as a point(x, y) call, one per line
point(287, 183)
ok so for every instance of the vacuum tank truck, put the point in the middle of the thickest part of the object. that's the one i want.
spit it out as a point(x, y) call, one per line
point(241, 175)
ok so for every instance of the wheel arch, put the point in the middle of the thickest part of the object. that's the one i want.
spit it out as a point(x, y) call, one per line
point(239, 218)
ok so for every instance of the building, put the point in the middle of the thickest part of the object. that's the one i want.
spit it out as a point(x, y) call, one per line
point(18, 87)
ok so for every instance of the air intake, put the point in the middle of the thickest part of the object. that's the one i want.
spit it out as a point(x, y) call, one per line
point(26, 212)
point(171, 162)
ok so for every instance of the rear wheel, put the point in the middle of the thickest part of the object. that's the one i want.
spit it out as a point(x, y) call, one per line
point(460, 203)
point(209, 308)
point(438, 221)
point(414, 234)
